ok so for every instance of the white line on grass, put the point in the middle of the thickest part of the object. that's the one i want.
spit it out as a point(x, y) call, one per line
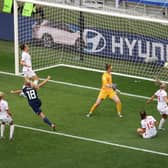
point(80, 86)
point(93, 140)
point(94, 88)
point(90, 139)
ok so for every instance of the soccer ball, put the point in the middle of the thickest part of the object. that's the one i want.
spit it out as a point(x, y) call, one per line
point(150, 59)
point(166, 65)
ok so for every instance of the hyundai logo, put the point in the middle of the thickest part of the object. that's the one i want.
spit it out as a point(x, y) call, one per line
point(95, 41)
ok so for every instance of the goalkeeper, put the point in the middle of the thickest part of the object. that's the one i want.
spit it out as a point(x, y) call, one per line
point(108, 90)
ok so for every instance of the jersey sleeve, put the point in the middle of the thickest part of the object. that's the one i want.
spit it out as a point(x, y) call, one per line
point(23, 57)
point(153, 118)
point(164, 94)
point(6, 106)
point(24, 89)
point(156, 93)
point(143, 124)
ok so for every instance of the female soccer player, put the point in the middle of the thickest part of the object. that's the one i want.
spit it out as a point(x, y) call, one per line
point(162, 101)
point(27, 64)
point(148, 126)
point(5, 117)
point(107, 91)
point(30, 90)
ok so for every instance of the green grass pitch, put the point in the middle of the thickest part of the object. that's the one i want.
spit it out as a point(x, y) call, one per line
point(66, 106)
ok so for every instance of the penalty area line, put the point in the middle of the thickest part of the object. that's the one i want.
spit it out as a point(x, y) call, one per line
point(93, 140)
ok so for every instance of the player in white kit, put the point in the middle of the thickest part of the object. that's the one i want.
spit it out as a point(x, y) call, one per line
point(5, 117)
point(27, 65)
point(148, 126)
point(162, 101)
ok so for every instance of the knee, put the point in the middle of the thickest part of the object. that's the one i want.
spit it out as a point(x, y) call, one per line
point(140, 131)
point(118, 101)
point(11, 123)
point(164, 116)
point(96, 104)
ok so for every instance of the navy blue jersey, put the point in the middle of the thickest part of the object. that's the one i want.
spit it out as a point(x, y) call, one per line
point(30, 93)
point(33, 99)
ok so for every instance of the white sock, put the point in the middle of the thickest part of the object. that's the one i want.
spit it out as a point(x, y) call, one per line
point(2, 129)
point(11, 131)
point(162, 121)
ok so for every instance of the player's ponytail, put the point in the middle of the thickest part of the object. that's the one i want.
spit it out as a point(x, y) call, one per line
point(143, 114)
point(22, 46)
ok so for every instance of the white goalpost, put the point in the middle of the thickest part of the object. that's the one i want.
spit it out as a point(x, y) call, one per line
point(77, 37)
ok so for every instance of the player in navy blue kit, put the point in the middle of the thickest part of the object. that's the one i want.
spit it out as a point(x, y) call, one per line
point(30, 90)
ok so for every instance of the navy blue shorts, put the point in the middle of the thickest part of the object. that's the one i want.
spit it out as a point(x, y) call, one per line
point(35, 105)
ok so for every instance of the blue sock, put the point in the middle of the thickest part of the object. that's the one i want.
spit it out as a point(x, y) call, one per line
point(47, 121)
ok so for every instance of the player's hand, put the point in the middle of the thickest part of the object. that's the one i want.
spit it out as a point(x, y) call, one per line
point(114, 86)
point(48, 77)
point(11, 91)
point(37, 87)
point(10, 113)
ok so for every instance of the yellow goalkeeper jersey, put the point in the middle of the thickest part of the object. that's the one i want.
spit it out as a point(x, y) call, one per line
point(106, 80)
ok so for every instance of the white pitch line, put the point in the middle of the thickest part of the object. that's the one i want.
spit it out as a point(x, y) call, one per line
point(94, 140)
point(80, 86)
point(94, 88)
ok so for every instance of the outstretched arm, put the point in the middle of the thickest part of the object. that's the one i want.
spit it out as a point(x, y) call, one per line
point(15, 91)
point(44, 82)
point(150, 100)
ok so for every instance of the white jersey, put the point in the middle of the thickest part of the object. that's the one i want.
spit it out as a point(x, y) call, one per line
point(3, 107)
point(27, 59)
point(4, 116)
point(161, 93)
point(27, 70)
point(149, 124)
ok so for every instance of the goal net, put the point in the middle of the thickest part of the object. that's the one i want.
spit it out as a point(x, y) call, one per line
point(62, 35)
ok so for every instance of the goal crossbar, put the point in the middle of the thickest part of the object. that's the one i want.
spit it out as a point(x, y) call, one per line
point(94, 11)
point(130, 44)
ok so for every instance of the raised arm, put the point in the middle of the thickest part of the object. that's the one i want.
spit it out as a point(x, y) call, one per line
point(15, 91)
point(44, 82)
point(151, 99)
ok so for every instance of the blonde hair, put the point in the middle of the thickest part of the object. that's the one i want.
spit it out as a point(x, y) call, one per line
point(163, 85)
point(1, 94)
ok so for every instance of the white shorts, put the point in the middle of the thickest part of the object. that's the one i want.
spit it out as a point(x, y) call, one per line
point(147, 136)
point(163, 111)
point(29, 73)
point(5, 118)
